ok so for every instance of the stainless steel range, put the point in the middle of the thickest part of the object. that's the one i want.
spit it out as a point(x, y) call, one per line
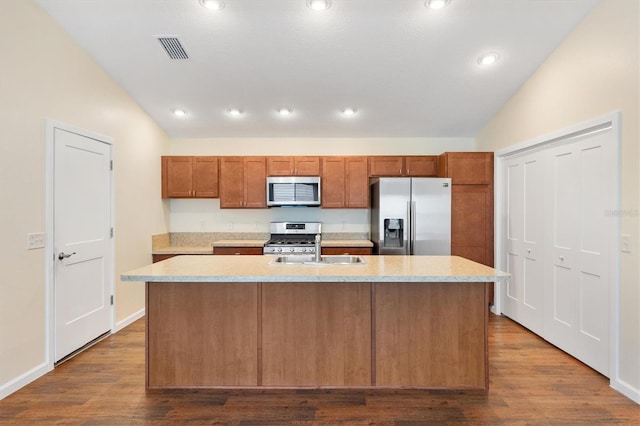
point(292, 238)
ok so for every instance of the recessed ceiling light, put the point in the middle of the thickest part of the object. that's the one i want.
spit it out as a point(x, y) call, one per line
point(179, 112)
point(319, 4)
point(235, 112)
point(436, 4)
point(285, 112)
point(349, 112)
point(212, 4)
point(488, 58)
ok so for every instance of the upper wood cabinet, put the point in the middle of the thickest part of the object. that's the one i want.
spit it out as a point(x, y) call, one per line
point(422, 165)
point(414, 166)
point(345, 182)
point(189, 177)
point(243, 182)
point(293, 166)
point(467, 168)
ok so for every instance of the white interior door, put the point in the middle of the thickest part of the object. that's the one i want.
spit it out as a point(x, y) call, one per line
point(82, 228)
point(578, 259)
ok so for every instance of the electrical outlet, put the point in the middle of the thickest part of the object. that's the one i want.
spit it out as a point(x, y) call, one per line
point(626, 246)
point(35, 240)
point(229, 226)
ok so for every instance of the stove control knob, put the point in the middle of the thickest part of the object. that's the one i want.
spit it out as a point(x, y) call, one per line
point(279, 249)
point(291, 249)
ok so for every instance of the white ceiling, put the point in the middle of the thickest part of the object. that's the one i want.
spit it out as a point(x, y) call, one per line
point(410, 71)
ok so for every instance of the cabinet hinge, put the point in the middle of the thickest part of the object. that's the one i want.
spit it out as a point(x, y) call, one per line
point(111, 233)
point(111, 165)
point(112, 300)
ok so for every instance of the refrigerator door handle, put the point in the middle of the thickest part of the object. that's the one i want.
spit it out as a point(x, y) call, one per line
point(409, 249)
point(412, 218)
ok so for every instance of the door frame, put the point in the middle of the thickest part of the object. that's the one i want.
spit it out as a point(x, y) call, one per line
point(50, 127)
point(564, 136)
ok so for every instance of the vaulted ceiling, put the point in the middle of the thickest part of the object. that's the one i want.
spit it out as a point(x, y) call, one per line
point(407, 70)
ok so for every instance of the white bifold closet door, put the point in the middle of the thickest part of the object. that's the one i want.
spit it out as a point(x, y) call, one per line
point(578, 276)
point(558, 244)
point(524, 295)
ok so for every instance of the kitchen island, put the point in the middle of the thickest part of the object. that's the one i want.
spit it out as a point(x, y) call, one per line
point(245, 322)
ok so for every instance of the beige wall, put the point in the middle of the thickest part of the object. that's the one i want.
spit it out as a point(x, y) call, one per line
point(593, 72)
point(45, 75)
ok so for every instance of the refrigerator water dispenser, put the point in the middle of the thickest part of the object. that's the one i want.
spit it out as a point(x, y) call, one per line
point(393, 232)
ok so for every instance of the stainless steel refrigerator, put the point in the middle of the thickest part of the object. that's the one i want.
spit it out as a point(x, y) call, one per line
point(411, 216)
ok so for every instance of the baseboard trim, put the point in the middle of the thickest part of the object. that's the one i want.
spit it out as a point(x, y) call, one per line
point(129, 320)
point(626, 389)
point(24, 379)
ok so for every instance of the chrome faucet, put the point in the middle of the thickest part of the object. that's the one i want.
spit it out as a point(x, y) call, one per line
point(318, 253)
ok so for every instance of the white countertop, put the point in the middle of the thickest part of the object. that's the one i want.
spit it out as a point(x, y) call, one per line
point(259, 269)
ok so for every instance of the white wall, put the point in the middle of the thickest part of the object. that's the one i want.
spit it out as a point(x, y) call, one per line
point(206, 215)
point(593, 72)
point(46, 75)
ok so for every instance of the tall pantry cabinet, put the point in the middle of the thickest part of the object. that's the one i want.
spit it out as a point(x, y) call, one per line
point(471, 175)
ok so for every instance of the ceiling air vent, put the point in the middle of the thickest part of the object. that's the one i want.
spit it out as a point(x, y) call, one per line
point(173, 47)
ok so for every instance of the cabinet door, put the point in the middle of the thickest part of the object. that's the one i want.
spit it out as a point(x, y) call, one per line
point(386, 166)
point(353, 251)
point(357, 182)
point(333, 182)
point(472, 223)
point(205, 177)
point(177, 177)
point(255, 182)
point(421, 166)
point(237, 250)
point(307, 166)
point(468, 168)
point(280, 166)
point(231, 182)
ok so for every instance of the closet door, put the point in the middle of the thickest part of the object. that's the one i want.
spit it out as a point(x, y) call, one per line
point(524, 295)
point(579, 192)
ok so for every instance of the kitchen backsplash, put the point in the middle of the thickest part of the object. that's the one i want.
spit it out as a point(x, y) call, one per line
point(206, 216)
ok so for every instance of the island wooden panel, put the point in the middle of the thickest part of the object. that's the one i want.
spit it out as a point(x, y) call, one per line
point(431, 335)
point(202, 334)
point(316, 334)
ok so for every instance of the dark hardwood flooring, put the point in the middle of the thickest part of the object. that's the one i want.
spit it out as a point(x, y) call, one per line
point(532, 382)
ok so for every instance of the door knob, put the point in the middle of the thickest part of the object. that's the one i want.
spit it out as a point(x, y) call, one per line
point(65, 256)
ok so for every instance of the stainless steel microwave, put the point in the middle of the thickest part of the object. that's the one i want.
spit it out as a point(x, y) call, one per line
point(287, 191)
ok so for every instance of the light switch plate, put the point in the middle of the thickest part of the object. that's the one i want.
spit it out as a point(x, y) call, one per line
point(35, 240)
point(626, 245)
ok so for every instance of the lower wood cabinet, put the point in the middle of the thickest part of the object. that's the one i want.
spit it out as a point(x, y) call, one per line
point(316, 334)
point(198, 334)
point(237, 250)
point(161, 257)
point(443, 324)
point(472, 223)
point(355, 251)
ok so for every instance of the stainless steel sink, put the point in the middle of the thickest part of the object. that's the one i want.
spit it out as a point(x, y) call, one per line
point(324, 260)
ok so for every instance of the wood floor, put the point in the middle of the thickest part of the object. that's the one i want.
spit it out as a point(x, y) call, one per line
point(531, 383)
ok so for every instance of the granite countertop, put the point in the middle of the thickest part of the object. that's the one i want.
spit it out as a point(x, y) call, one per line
point(260, 269)
point(184, 250)
point(249, 243)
